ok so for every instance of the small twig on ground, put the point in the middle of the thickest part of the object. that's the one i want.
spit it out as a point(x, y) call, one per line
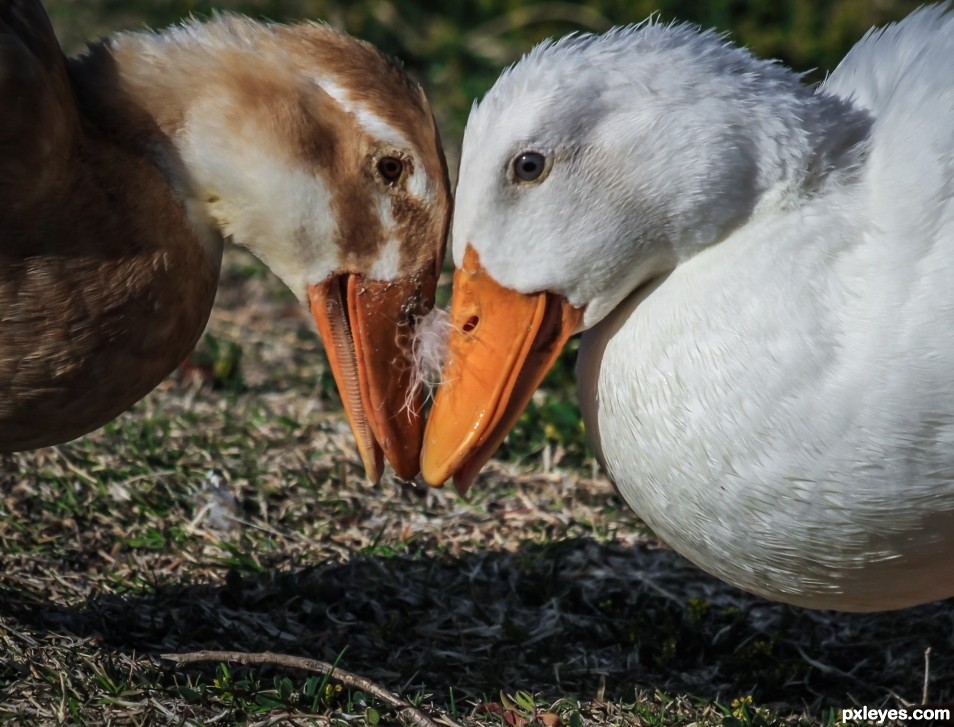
point(408, 712)
point(927, 675)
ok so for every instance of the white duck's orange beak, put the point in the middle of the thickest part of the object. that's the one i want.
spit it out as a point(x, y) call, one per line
point(365, 326)
point(502, 344)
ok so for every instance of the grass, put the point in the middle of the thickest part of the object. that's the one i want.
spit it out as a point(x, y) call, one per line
point(238, 518)
point(228, 510)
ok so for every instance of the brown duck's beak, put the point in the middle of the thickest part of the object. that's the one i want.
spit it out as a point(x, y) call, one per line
point(502, 344)
point(366, 327)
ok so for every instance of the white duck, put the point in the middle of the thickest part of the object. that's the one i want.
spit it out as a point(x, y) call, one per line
point(766, 273)
point(122, 170)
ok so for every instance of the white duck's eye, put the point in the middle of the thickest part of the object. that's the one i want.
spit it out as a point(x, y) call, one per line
point(529, 166)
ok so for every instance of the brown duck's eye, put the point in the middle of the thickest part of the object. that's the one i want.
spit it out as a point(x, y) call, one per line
point(390, 168)
point(528, 167)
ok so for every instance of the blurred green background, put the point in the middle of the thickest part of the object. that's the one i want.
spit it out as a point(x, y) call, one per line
point(457, 49)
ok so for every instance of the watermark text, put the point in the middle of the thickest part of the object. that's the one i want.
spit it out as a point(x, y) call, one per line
point(925, 714)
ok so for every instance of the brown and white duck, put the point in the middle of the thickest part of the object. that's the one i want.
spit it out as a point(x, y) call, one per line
point(124, 169)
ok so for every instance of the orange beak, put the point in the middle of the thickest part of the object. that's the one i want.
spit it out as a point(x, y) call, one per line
point(502, 345)
point(366, 326)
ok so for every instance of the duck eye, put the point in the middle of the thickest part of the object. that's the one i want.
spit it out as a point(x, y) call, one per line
point(528, 167)
point(390, 168)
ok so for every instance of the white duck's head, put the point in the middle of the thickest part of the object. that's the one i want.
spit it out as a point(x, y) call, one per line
point(318, 153)
point(593, 166)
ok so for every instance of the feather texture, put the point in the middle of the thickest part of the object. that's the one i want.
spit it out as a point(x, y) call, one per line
point(122, 171)
point(767, 271)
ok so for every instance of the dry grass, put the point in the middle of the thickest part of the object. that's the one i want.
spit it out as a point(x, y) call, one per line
point(542, 600)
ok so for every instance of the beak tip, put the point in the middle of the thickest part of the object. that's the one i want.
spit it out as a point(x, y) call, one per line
point(431, 478)
point(433, 470)
point(402, 448)
point(406, 473)
point(438, 475)
point(462, 484)
point(373, 461)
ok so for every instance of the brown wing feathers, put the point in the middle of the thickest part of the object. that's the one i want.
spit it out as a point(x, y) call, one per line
point(38, 119)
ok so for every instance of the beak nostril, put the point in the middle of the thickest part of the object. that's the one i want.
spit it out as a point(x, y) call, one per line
point(471, 324)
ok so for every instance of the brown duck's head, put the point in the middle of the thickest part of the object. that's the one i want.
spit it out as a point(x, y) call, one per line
point(319, 154)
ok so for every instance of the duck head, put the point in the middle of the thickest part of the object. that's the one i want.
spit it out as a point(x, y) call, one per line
point(594, 166)
point(317, 153)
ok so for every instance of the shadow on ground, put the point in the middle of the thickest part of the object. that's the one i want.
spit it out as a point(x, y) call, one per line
point(575, 616)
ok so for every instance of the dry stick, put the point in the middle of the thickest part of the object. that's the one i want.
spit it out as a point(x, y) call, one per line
point(407, 711)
